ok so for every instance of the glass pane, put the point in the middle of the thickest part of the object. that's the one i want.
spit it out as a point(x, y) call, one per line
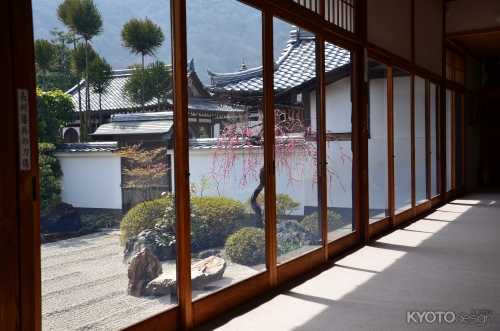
point(377, 141)
point(434, 90)
point(338, 109)
point(420, 142)
point(449, 155)
point(106, 155)
point(458, 140)
point(295, 90)
point(402, 140)
point(226, 146)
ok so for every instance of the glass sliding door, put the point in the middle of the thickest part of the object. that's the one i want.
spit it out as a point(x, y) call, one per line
point(378, 171)
point(402, 139)
point(449, 138)
point(338, 108)
point(108, 226)
point(420, 141)
point(296, 142)
point(459, 135)
point(434, 137)
point(226, 145)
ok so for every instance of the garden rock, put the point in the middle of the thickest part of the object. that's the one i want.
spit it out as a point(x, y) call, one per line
point(158, 241)
point(292, 235)
point(209, 252)
point(206, 271)
point(62, 218)
point(143, 268)
point(161, 285)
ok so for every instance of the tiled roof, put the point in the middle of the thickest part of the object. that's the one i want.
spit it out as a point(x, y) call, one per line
point(134, 127)
point(114, 99)
point(101, 146)
point(296, 66)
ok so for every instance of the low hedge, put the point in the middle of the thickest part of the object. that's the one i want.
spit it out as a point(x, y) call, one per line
point(144, 216)
point(212, 219)
point(246, 246)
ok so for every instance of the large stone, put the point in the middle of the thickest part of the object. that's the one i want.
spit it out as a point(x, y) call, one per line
point(161, 285)
point(202, 273)
point(143, 268)
point(60, 219)
point(206, 271)
point(158, 240)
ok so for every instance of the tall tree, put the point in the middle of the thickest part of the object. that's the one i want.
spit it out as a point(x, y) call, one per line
point(84, 19)
point(100, 76)
point(154, 82)
point(45, 57)
point(81, 54)
point(159, 79)
point(142, 37)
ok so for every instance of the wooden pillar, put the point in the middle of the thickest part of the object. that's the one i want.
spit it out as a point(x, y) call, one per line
point(269, 157)
point(181, 163)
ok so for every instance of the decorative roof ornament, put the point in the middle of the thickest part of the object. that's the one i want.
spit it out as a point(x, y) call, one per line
point(243, 66)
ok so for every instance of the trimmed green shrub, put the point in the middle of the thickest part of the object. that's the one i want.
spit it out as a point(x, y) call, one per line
point(50, 177)
point(145, 215)
point(212, 220)
point(285, 205)
point(246, 246)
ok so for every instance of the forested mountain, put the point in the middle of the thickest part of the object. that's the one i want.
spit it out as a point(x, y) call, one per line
point(221, 33)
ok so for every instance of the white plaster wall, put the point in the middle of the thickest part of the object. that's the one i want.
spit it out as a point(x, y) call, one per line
point(402, 142)
point(420, 166)
point(91, 180)
point(377, 145)
point(338, 106)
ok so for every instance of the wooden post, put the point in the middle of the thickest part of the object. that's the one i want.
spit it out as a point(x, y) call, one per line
point(181, 163)
point(269, 141)
point(321, 139)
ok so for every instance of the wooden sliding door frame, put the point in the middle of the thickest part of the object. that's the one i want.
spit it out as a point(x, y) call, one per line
point(188, 313)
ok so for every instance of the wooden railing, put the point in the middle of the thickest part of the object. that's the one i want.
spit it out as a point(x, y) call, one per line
point(339, 12)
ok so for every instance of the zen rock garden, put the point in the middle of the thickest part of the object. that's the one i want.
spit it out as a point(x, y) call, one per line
point(147, 279)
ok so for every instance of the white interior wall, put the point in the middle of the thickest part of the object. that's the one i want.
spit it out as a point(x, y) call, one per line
point(91, 180)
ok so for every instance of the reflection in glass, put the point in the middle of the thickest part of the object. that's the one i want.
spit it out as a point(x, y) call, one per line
point(338, 109)
point(377, 141)
point(402, 139)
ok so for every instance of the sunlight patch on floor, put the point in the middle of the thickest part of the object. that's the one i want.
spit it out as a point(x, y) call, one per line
point(443, 216)
point(454, 208)
point(346, 281)
point(371, 258)
point(426, 226)
point(405, 238)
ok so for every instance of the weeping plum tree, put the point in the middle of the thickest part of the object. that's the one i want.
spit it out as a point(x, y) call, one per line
point(295, 154)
